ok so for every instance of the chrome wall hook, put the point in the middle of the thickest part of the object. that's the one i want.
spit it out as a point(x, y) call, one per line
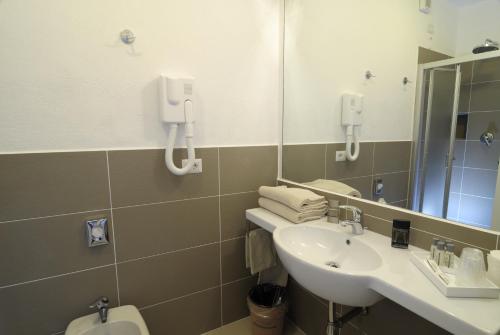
point(369, 75)
point(127, 36)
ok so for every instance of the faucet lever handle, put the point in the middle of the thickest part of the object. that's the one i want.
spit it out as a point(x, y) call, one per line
point(100, 303)
point(355, 212)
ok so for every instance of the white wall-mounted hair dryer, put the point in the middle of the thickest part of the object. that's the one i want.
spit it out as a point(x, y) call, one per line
point(352, 110)
point(176, 105)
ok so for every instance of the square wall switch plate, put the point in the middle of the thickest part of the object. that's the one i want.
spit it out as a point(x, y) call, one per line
point(340, 156)
point(97, 232)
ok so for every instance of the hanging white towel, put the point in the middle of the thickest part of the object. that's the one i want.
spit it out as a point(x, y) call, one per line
point(260, 252)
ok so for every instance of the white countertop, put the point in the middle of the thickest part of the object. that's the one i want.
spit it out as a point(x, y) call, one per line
point(402, 282)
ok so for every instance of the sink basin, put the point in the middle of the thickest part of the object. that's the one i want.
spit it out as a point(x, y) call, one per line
point(124, 320)
point(333, 264)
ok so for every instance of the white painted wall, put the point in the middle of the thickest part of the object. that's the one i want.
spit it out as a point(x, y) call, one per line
point(330, 44)
point(67, 83)
point(477, 21)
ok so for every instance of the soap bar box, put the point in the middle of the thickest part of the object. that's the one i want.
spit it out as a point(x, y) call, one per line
point(450, 289)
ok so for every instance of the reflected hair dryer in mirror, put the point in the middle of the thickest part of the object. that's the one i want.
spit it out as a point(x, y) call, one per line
point(352, 110)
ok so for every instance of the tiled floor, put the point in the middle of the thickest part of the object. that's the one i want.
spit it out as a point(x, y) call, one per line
point(244, 327)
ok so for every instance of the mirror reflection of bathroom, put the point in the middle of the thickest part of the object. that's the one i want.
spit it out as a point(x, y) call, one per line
point(464, 135)
point(427, 129)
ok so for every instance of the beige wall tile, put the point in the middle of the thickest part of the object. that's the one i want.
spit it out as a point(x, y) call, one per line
point(140, 177)
point(244, 169)
point(232, 212)
point(376, 210)
point(38, 248)
point(456, 179)
point(305, 310)
point(423, 240)
point(477, 155)
point(234, 299)
point(478, 211)
point(449, 230)
point(480, 122)
point(466, 69)
point(395, 186)
point(362, 184)
point(377, 225)
point(453, 202)
point(464, 98)
point(34, 185)
point(233, 260)
point(391, 157)
point(152, 229)
point(479, 182)
point(339, 170)
point(484, 97)
point(152, 280)
point(191, 315)
point(458, 155)
point(303, 163)
point(47, 306)
point(402, 204)
point(487, 70)
point(389, 318)
point(456, 232)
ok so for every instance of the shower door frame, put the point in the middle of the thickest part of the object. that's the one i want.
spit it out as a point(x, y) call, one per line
point(451, 147)
point(416, 193)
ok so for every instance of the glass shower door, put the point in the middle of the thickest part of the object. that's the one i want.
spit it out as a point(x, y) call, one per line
point(440, 125)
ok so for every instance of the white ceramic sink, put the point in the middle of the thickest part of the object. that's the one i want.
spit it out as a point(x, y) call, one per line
point(334, 265)
point(369, 269)
point(124, 320)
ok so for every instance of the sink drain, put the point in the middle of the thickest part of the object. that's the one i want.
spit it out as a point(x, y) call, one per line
point(333, 265)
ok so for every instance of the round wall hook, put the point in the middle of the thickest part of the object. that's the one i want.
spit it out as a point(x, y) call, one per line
point(127, 36)
point(406, 81)
point(369, 75)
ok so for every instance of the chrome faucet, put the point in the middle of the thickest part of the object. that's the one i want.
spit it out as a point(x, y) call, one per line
point(102, 308)
point(355, 221)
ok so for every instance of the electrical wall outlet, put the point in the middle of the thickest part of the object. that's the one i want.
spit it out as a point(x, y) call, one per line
point(340, 156)
point(197, 167)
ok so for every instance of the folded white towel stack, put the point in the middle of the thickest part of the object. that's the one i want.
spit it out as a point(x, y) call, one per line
point(294, 204)
point(334, 186)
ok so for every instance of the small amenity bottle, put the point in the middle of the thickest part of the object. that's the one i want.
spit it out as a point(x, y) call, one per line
point(439, 253)
point(433, 249)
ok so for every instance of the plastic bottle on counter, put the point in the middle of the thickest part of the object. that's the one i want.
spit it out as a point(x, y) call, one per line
point(449, 255)
point(433, 247)
point(439, 253)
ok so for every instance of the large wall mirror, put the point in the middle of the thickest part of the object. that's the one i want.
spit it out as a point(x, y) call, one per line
point(396, 102)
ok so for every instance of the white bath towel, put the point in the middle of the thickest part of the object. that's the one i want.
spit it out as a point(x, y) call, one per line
point(334, 186)
point(298, 199)
point(291, 214)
